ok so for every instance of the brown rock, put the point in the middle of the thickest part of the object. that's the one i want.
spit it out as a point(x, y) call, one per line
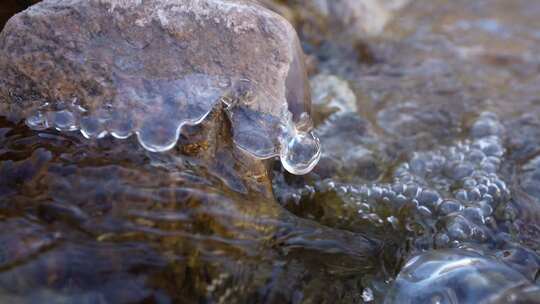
point(150, 67)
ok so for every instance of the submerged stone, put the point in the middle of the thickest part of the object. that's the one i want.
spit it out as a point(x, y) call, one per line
point(346, 19)
point(150, 68)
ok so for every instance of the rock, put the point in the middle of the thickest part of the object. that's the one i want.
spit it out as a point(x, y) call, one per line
point(345, 19)
point(150, 68)
point(351, 149)
point(331, 94)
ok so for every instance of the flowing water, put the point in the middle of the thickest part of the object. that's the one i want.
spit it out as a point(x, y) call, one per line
point(427, 189)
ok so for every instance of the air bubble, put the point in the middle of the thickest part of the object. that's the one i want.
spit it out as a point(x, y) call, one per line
point(459, 228)
point(449, 206)
point(429, 198)
point(475, 215)
point(454, 276)
point(474, 194)
point(442, 240)
point(486, 125)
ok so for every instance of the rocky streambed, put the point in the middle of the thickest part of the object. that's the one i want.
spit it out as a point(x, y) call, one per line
point(202, 152)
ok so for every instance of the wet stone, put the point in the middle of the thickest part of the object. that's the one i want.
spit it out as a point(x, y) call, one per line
point(435, 164)
point(139, 68)
point(350, 149)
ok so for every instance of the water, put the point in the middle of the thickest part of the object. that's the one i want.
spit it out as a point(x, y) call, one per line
point(109, 222)
point(426, 190)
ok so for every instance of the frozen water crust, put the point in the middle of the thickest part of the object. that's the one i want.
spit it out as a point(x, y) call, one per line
point(156, 110)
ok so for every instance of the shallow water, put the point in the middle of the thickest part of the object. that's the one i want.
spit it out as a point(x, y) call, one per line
point(427, 190)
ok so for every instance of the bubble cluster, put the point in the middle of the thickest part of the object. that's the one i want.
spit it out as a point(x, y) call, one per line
point(441, 205)
point(155, 111)
point(442, 198)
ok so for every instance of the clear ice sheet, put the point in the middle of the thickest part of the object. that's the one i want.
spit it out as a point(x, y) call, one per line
point(155, 110)
point(256, 132)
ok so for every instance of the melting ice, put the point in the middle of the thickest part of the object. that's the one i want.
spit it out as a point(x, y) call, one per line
point(155, 110)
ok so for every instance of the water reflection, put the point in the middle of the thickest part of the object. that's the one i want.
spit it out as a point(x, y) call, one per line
point(108, 222)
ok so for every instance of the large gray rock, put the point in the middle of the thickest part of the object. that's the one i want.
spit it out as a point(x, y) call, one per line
point(150, 67)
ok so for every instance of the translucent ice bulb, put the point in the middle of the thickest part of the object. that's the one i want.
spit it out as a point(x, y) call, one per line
point(37, 121)
point(159, 135)
point(300, 152)
point(63, 120)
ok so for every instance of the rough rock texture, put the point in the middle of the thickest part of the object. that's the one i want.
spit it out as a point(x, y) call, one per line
point(149, 67)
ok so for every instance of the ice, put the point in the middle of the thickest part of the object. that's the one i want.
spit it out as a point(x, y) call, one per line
point(300, 152)
point(265, 136)
point(63, 120)
point(37, 121)
point(253, 131)
point(91, 127)
point(157, 109)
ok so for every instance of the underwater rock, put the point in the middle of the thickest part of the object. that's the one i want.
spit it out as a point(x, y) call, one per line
point(350, 149)
point(331, 94)
point(134, 227)
point(151, 68)
point(363, 18)
point(455, 276)
point(346, 19)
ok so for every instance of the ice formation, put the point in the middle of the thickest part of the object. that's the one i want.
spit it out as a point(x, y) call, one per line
point(156, 110)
